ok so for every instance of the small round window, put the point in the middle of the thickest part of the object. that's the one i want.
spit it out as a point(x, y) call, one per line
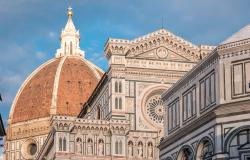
point(29, 149)
point(32, 148)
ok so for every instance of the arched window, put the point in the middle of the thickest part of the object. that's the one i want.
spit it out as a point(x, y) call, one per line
point(116, 103)
point(120, 87)
point(65, 47)
point(120, 103)
point(116, 147)
point(71, 48)
point(60, 144)
point(116, 87)
point(120, 147)
point(98, 113)
point(64, 144)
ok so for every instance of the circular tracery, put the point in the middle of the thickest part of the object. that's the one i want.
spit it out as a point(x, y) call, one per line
point(155, 109)
point(162, 52)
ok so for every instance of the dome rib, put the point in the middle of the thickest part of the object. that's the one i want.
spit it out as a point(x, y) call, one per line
point(55, 88)
point(97, 70)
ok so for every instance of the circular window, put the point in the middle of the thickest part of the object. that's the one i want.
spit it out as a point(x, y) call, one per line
point(29, 149)
point(155, 109)
point(32, 148)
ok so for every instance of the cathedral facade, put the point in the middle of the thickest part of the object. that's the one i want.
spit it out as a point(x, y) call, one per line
point(69, 109)
point(208, 110)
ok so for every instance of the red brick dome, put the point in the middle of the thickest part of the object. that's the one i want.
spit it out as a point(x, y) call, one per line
point(59, 87)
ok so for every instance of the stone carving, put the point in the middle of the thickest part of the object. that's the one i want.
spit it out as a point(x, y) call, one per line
point(78, 145)
point(150, 150)
point(141, 124)
point(101, 147)
point(162, 52)
point(130, 149)
point(155, 109)
point(90, 147)
point(140, 150)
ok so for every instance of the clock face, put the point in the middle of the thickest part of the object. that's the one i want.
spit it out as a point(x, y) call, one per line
point(155, 109)
point(162, 52)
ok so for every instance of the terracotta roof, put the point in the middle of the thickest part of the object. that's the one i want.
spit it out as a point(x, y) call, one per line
point(77, 81)
point(44, 90)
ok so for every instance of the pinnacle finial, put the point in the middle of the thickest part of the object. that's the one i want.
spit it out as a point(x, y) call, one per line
point(70, 39)
point(70, 12)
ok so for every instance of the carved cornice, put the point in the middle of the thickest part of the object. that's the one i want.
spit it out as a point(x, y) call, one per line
point(169, 74)
point(152, 40)
point(236, 53)
point(23, 132)
point(65, 123)
point(29, 128)
point(229, 46)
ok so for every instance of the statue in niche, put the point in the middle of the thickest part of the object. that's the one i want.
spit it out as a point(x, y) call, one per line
point(140, 150)
point(150, 150)
point(130, 149)
point(101, 147)
point(78, 145)
point(90, 147)
point(78, 148)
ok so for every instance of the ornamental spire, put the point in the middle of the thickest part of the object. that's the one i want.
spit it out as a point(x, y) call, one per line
point(70, 38)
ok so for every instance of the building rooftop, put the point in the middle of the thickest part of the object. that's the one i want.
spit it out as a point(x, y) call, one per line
point(244, 33)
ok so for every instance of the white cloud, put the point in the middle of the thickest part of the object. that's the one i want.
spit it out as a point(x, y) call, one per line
point(11, 80)
point(52, 35)
point(40, 55)
point(8, 85)
point(97, 58)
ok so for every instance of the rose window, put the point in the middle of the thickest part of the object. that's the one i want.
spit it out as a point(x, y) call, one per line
point(155, 109)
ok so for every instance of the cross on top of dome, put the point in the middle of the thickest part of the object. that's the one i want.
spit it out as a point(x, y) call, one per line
point(70, 27)
point(70, 12)
point(70, 39)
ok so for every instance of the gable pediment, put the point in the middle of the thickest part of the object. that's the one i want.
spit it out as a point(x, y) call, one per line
point(148, 46)
point(163, 53)
point(155, 44)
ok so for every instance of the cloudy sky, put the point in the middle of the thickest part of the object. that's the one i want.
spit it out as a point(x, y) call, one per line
point(30, 29)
